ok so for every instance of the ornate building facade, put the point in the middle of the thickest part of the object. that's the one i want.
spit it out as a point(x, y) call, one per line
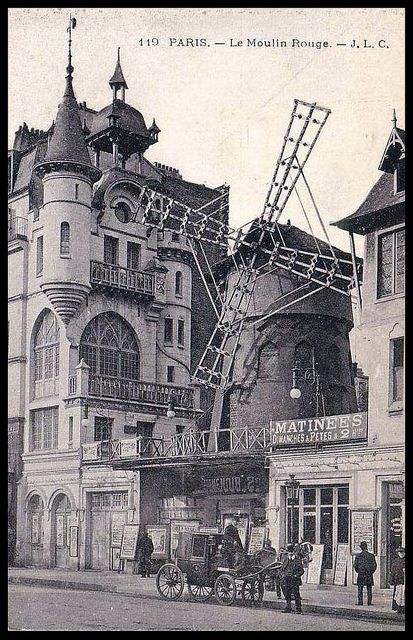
point(106, 320)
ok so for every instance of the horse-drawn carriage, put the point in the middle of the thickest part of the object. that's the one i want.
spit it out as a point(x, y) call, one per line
point(201, 565)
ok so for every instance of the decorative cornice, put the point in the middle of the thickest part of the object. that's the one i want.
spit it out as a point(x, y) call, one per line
point(180, 255)
point(43, 168)
point(66, 297)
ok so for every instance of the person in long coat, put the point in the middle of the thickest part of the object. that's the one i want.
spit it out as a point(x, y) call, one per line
point(291, 571)
point(364, 565)
point(146, 550)
point(397, 579)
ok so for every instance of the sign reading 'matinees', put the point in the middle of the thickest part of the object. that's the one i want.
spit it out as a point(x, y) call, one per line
point(352, 426)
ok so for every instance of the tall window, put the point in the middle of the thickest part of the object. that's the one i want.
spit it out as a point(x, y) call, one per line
point(44, 428)
point(390, 263)
point(268, 362)
point(110, 250)
point(103, 428)
point(168, 330)
point(110, 348)
point(64, 238)
point(39, 255)
point(170, 374)
point(181, 333)
point(46, 357)
point(133, 256)
point(178, 283)
point(396, 373)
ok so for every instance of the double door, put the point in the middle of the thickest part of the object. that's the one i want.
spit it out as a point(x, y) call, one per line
point(320, 516)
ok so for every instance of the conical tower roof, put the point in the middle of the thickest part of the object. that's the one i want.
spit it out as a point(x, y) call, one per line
point(68, 141)
point(118, 79)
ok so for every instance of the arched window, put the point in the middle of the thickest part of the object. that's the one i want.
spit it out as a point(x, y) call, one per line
point(304, 356)
point(46, 357)
point(268, 362)
point(64, 238)
point(110, 348)
point(178, 283)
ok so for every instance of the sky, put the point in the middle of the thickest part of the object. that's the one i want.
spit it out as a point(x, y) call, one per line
point(223, 110)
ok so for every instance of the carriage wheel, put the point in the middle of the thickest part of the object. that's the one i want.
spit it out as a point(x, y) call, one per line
point(225, 589)
point(170, 582)
point(200, 592)
point(252, 590)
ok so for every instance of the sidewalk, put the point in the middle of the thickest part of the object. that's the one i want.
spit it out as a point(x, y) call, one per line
point(319, 599)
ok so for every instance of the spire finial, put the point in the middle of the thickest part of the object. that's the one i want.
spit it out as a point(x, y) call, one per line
point(119, 55)
point(394, 118)
point(72, 24)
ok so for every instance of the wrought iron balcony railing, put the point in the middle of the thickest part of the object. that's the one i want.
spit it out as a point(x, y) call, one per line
point(121, 279)
point(17, 228)
point(138, 391)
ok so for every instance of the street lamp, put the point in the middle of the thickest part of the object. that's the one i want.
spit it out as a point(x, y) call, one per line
point(170, 413)
point(293, 488)
point(309, 376)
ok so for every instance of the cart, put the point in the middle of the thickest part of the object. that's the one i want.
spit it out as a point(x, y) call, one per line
point(202, 568)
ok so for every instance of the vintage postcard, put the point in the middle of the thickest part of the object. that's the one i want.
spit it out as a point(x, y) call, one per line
point(206, 244)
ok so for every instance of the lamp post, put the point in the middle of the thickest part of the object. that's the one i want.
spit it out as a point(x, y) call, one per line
point(293, 487)
point(309, 376)
point(170, 413)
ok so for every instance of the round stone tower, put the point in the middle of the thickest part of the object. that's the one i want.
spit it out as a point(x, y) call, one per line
point(67, 175)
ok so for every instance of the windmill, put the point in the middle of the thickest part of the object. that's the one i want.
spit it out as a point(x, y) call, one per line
point(256, 247)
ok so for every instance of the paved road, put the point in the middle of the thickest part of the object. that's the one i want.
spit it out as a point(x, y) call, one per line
point(46, 609)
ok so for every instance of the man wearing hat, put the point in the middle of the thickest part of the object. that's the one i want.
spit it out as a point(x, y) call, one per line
point(291, 571)
point(364, 565)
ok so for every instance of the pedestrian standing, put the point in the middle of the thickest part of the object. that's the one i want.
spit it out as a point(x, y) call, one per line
point(291, 571)
point(397, 579)
point(146, 550)
point(364, 565)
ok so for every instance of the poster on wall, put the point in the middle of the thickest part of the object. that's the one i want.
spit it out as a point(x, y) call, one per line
point(60, 530)
point(211, 530)
point(35, 529)
point(73, 546)
point(118, 522)
point(342, 564)
point(176, 528)
point(129, 541)
point(362, 529)
point(257, 538)
point(159, 537)
point(241, 523)
point(314, 567)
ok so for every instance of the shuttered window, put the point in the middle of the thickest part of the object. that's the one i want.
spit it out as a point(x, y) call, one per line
point(390, 263)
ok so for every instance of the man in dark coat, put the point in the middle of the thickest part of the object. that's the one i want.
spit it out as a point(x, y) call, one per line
point(291, 571)
point(146, 550)
point(364, 565)
point(397, 579)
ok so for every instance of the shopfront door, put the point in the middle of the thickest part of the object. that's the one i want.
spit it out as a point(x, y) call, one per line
point(61, 528)
point(321, 516)
point(394, 522)
point(36, 533)
point(104, 506)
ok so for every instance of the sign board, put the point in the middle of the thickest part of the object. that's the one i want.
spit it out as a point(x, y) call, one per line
point(118, 522)
point(73, 546)
point(159, 537)
point(314, 567)
point(176, 528)
point(60, 530)
point(257, 538)
point(332, 429)
point(341, 564)
point(231, 483)
point(362, 529)
point(211, 530)
point(129, 541)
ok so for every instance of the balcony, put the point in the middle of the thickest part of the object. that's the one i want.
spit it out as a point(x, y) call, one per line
point(151, 393)
point(251, 441)
point(17, 228)
point(115, 278)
